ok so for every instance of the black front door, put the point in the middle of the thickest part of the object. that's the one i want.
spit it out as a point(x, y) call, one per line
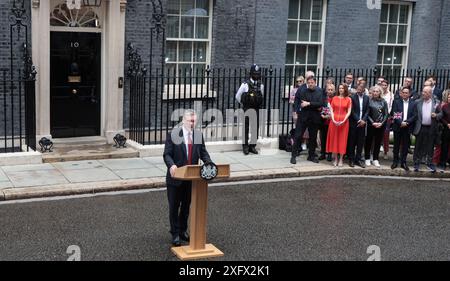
point(75, 84)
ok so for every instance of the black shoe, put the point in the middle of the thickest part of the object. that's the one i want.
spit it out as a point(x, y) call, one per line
point(184, 236)
point(329, 159)
point(405, 167)
point(351, 164)
point(253, 150)
point(293, 160)
point(322, 157)
point(416, 167)
point(176, 241)
point(361, 164)
point(394, 166)
point(245, 149)
point(431, 168)
point(313, 159)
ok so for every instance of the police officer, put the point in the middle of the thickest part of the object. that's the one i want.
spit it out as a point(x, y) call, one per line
point(250, 96)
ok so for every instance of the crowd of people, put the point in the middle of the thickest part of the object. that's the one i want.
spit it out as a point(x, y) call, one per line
point(352, 118)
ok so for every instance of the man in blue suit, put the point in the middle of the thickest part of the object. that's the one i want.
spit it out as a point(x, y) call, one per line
point(184, 146)
point(403, 125)
point(437, 92)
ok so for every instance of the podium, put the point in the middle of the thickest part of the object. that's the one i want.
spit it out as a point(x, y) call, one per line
point(197, 248)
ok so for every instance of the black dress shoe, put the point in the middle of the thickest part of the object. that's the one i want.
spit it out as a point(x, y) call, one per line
point(253, 150)
point(245, 149)
point(322, 157)
point(176, 241)
point(313, 159)
point(361, 164)
point(394, 165)
point(405, 167)
point(329, 159)
point(184, 236)
point(293, 160)
point(351, 164)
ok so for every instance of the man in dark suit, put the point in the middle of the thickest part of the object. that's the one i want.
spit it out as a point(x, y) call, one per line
point(403, 125)
point(425, 129)
point(413, 95)
point(184, 146)
point(357, 130)
point(308, 105)
point(437, 92)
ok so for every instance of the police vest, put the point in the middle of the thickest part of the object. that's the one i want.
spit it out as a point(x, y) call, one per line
point(254, 97)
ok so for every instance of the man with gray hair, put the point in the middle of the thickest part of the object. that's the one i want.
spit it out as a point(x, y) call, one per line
point(425, 129)
point(184, 146)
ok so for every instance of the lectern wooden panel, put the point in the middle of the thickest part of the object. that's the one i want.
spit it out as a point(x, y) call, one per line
point(197, 247)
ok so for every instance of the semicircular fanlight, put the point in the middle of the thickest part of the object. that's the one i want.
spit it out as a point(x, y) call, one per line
point(83, 17)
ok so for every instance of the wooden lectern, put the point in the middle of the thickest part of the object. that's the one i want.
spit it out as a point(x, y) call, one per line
point(197, 247)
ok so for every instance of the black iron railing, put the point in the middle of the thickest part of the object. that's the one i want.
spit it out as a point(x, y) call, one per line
point(153, 97)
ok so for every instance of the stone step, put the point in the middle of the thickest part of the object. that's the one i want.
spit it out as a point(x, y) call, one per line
point(87, 152)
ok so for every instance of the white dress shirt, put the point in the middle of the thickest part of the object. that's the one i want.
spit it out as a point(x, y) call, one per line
point(186, 133)
point(405, 109)
point(426, 113)
point(244, 89)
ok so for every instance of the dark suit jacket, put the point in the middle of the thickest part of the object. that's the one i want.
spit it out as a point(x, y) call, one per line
point(437, 93)
point(176, 154)
point(356, 110)
point(310, 113)
point(397, 107)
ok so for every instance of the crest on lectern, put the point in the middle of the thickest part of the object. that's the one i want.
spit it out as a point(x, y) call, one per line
point(208, 171)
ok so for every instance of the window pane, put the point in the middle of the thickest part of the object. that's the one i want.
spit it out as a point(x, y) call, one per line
point(393, 14)
point(301, 54)
point(187, 27)
point(202, 8)
point(398, 55)
point(303, 31)
point(290, 54)
point(384, 12)
point(185, 52)
point(171, 51)
point(305, 9)
point(187, 7)
point(185, 68)
point(292, 30)
point(173, 7)
point(392, 33)
point(402, 34)
point(200, 51)
point(380, 55)
point(172, 26)
point(316, 29)
point(404, 14)
point(383, 30)
point(388, 55)
point(312, 54)
point(201, 28)
point(293, 9)
point(317, 10)
point(170, 67)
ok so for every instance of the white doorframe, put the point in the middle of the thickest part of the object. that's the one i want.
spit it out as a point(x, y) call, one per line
point(112, 60)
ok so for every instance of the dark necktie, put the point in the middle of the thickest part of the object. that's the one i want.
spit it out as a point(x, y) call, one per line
point(190, 145)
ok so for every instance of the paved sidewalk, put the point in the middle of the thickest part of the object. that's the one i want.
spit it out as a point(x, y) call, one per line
point(93, 176)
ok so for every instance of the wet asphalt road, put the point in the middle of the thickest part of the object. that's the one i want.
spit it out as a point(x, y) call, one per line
point(320, 219)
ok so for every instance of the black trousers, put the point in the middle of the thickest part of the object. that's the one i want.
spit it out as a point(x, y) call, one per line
point(300, 129)
point(179, 203)
point(323, 138)
point(356, 138)
point(402, 139)
point(444, 146)
point(424, 146)
point(254, 137)
point(374, 136)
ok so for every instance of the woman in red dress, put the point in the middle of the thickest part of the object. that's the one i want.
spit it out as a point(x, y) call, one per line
point(340, 107)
